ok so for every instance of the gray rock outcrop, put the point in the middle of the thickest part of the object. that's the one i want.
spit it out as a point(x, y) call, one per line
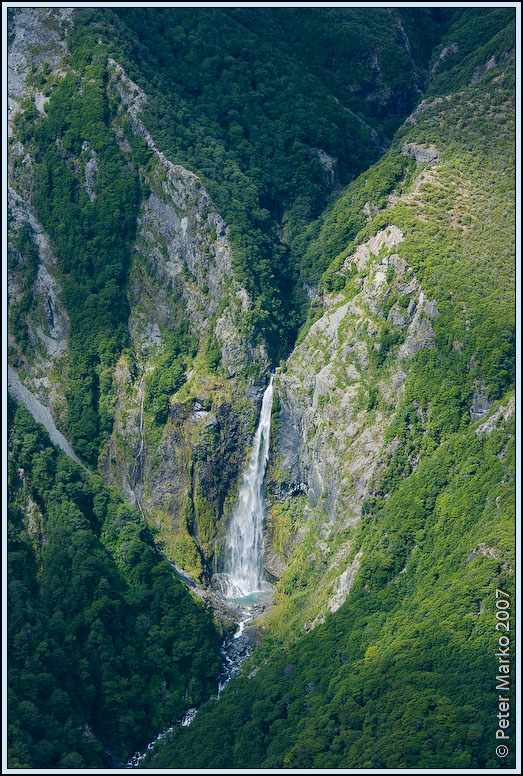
point(423, 154)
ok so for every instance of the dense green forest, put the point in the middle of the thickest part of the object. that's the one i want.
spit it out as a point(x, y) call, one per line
point(92, 238)
point(106, 646)
point(398, 677)
point(296, 125)
point(247, 98)
point(248, 102)
point(402, 676)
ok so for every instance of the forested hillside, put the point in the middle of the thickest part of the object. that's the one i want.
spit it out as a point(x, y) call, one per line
point(105, 644)
point(249, 100)
point(163, 171)
point(198, 197)
point(383, 615)
point(375, 685)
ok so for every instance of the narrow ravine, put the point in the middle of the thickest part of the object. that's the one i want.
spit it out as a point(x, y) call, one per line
point(235, 650)
point(241, 590)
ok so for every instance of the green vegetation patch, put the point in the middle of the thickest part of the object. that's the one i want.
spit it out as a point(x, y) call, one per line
point(91, 236)
point(374, 685)
point(106, 646)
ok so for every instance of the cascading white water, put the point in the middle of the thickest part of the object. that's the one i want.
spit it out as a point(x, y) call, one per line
point(245, 537)
point(244, 568)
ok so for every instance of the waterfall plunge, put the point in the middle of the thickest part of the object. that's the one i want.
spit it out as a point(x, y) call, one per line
point(245, 537)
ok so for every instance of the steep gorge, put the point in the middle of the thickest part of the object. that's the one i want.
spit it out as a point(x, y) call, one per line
point(191, 325)
point(373, 429)
point(390, 487)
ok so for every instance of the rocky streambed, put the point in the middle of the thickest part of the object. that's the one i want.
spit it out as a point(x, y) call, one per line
point(237, 646)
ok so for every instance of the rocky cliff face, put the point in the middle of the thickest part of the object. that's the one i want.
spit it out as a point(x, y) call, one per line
point(182, 272)
point(340, 390)
point(184, 240)
point(391, 365)
point(39, 323)
point(182, 471)
point(338, 394)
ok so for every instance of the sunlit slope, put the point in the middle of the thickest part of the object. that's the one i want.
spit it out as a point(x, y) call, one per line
point(395, 535)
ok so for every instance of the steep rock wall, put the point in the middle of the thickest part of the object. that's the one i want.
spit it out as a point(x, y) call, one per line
point(39, 324)
point(338, 393)
point(181, 283)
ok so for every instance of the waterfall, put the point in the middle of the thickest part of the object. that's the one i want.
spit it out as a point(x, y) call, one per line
point(244, 565)
point(245, 536)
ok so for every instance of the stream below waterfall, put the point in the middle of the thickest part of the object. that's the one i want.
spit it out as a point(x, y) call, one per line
point(235, 650)
point(239, 590)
